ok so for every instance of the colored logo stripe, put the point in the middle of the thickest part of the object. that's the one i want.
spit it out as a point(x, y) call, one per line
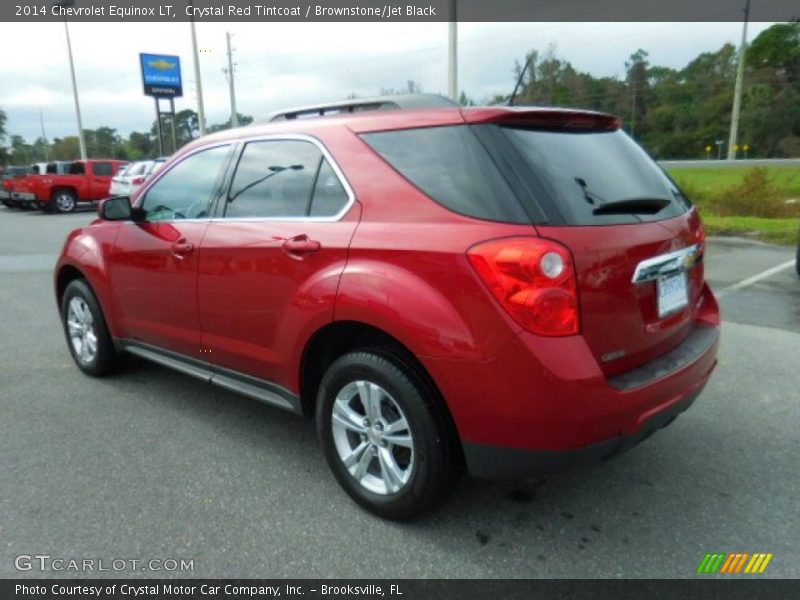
point(734, 563)
point(710, 563)
point(758, 564)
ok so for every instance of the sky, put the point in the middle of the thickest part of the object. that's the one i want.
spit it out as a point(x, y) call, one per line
point(292, 64)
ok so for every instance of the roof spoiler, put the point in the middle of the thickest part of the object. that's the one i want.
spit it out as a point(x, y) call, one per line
point(545, 118)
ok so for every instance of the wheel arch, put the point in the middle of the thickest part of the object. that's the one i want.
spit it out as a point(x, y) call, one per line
point(335, 339)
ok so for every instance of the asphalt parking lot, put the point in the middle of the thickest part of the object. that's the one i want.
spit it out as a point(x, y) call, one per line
point(154, 464)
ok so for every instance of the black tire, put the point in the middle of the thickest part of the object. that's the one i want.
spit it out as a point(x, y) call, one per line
point(797, 260)
point(7, 203)
point(63, 201)
point(106, 358)
point(435, 464)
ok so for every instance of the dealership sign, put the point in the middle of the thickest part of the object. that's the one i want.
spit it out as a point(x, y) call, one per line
point(161, 75)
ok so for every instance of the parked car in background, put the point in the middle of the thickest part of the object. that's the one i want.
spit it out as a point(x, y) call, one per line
point(85, 181)
point(11, 174)
point(130, 179)
point(516, 290)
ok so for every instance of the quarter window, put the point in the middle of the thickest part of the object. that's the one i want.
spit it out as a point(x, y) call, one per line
point(186, 191)
point(330, 196)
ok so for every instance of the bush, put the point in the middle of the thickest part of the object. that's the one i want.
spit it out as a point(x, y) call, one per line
point(755, 196)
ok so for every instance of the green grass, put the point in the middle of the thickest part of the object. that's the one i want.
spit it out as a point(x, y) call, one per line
point(775, 231)
point(724, 190)
point(707, 182)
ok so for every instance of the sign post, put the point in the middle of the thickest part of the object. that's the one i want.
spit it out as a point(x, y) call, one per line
point(161, 78)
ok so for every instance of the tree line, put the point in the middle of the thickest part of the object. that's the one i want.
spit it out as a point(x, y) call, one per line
point(674, 113)
point(105, 142)
point(682, 113)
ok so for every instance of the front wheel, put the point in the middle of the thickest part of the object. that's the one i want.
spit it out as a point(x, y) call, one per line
point(85, 327)
point(64, 201)
point(384, 436)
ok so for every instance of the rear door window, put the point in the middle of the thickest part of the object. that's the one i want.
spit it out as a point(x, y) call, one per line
point(597, 177)
point(289, 179)
point(274, 179)
point(451, 166)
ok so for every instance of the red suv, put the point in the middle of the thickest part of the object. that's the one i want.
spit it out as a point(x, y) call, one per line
point(510, 290)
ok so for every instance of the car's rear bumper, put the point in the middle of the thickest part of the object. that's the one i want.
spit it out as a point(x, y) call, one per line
point(544, 403)
point(497, 462)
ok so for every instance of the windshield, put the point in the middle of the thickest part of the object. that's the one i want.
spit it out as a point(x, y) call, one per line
point(584, 171)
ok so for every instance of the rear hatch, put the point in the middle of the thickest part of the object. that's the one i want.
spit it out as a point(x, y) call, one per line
point(636, 241)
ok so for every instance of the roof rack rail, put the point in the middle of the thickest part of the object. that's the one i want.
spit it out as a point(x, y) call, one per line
point(402, 101)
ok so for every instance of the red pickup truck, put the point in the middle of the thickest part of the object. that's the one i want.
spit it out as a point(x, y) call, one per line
point(85, 181)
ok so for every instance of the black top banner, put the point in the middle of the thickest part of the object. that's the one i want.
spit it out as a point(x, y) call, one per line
point(396, 10)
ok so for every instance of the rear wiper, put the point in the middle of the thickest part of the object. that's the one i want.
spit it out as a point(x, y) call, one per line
point(642, 206)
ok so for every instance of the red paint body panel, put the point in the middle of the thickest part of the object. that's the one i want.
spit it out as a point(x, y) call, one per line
point(155, 289)
point(258, 301)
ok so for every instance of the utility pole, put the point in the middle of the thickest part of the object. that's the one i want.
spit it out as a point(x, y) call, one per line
point(81, 140)
point(633, 108)
point(201, 111)
point(737, 94)
point(231, 84)
point(452, 53)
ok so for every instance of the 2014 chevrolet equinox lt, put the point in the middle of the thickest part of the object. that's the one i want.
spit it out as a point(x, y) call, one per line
point(513, 290)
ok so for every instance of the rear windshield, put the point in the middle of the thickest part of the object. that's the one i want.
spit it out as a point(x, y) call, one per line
point(597, 177)
point(513, 174)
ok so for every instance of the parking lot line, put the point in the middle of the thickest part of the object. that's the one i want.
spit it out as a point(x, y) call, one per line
point(755, 278)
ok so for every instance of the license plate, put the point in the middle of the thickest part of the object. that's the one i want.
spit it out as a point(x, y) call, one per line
point(672, 295)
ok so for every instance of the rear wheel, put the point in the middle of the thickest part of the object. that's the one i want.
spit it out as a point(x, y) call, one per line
point(64, 201)
point(86, 330)
point(383, 435)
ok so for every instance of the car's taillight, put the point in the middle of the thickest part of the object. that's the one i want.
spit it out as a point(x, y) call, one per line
point(137, 181)
point(533, 279)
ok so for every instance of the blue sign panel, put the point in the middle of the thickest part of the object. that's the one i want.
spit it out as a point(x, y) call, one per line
point(161, 75)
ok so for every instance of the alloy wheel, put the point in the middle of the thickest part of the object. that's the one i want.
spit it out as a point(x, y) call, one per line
point(65, 202)
point(372, 437)
point(82, 335)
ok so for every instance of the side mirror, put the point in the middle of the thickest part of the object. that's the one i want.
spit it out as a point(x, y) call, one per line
point(116, 208)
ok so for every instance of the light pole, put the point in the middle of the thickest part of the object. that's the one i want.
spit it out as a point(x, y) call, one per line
point(737, 94)
point(452, 53)
point(201, 112)
point(81, 141)
point(232, 83)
